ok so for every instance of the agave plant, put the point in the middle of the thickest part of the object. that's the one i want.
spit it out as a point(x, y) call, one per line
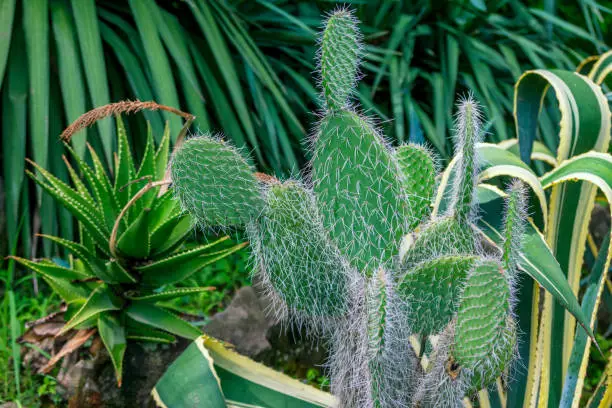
point(132, 247)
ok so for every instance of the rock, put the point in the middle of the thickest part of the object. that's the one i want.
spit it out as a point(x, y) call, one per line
point(243, 323)
point(9, 405)
point(600, 223)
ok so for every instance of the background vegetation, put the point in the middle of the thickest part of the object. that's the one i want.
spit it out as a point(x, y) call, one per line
point(245, 68)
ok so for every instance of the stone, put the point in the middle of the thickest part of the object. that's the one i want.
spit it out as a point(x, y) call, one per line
point(243, 323)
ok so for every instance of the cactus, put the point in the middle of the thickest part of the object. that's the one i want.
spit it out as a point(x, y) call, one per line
point(354, 252)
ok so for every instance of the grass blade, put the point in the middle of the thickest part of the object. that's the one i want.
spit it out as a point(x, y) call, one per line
point(14, 113)
point(68, 61)
point(92, 53)
point(163, 78)
point(7, 13)
point(36, 26)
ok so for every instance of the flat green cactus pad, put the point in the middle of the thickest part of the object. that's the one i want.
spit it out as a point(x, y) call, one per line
point(445, 236)
point(339, 59)
point(483, 342)
point(432, 289)
point(299, 262)
point(358, 190)
point(419, 181)
point(215, 183)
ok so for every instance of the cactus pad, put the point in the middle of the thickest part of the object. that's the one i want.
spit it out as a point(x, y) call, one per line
point(358, 190)
point(481, 341)
point(295, 255)
point(214, 183)
point(445, 236)
point(339, 59)
point(419, 180)
point(433, 289)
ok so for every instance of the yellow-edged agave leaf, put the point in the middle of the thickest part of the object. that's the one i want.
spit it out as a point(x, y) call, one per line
point(576, 372)
point(602, 67)
point(602, 397)
point(540, 151)
point(494, 162)
point(497, 162)
point(584, 127)
point(208, 372)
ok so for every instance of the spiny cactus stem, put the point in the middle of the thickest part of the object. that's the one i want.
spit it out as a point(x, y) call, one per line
point(112, 243)
point(339, 59)
point(468, 124)
point(516, 212)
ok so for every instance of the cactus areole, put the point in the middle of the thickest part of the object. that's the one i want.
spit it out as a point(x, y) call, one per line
point(426, 328)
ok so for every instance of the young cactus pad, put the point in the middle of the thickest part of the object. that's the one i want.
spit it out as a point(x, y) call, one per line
point(354, 249)
point(215, 183)
point(294, 254)
point(339, 59)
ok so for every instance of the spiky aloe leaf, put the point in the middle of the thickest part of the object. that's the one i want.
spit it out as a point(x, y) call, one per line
point(78, 183)
point(152, 335)
point(467, 133)
point(358, 190)
point(184, 264)
point(484, 335)
point(445, 236)
point(165, 207)
point(159, 318)
point(339, 59)
point(112, 333)
point(105, 194)
point(63, 188)
point(96, 229)
point(52, 270)
point(295, 255)
point(144, 332)
point(169, 294)
point(433, 289)
point(170, 234)
point(418, 172)
point(102, 299)
point(68, 291)
point(91, 261)
point(162, 154)
point(146, 170)
point(124, 165)
point(118, 273)
point(135, 242)
point(215, 183)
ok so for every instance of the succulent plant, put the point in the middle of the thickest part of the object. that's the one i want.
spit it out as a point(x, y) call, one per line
point(131, 250)
point(353, 251)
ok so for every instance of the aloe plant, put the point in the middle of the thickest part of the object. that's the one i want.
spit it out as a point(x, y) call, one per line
point(131, 249)
point(353, 252)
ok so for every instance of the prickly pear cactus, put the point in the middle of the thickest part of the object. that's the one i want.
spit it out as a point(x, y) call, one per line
point(353, 251)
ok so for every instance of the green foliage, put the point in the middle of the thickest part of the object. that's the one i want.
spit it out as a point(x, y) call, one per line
point(330, 257)
point(131, 249)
